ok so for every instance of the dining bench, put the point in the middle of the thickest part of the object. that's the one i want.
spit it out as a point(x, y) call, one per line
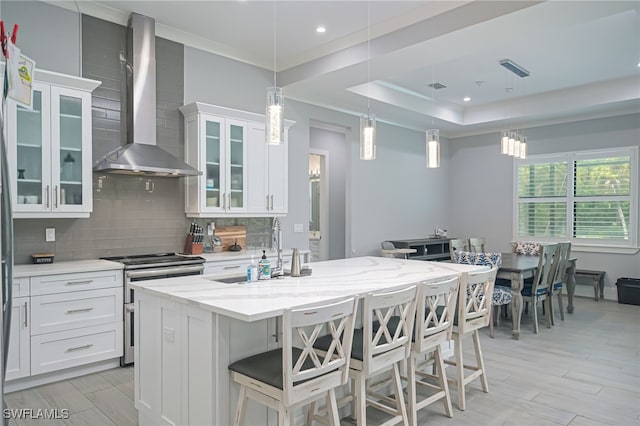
point(595, 278)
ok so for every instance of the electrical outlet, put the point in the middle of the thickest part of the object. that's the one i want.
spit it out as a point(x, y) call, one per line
point(50, 235)
point(298, 227)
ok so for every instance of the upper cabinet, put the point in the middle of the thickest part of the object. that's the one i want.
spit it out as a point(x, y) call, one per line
point(49, 148)
point(242, 176)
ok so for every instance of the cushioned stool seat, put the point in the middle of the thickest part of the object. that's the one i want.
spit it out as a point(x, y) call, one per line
point(501, 296)
point(267, 366)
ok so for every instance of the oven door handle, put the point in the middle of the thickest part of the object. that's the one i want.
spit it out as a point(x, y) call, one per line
point(164, 271)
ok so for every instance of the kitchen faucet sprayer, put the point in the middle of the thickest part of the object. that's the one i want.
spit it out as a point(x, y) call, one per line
point(276, 242)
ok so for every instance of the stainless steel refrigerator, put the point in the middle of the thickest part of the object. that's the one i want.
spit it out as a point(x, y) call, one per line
point(6, 254)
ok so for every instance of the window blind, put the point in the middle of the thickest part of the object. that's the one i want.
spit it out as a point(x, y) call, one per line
point(578, 196)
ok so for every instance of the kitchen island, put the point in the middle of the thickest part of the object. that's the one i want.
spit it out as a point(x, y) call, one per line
point(189, 329)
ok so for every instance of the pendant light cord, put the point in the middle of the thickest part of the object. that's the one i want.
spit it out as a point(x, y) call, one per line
point(275, 32)
point(368, 56)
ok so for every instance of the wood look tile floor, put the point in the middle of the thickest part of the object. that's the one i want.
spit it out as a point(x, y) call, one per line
point(584, 371)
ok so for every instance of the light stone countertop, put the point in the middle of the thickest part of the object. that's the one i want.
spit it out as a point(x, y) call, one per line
point(68, 267)
point(245, 254)
point(329, 280)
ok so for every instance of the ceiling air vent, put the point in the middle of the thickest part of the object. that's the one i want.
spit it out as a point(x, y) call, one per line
point(436, 86)
point(514, 68)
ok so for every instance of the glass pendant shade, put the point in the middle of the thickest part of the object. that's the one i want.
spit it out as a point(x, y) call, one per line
point(368, 137)
point(275, 116)
point(504, 143)
point(523, 148)
point(512, 143)
point(433, 148)
point(516, 147)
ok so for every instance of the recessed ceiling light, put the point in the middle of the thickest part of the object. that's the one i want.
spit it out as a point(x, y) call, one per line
point(466, 99)
point(321, 29)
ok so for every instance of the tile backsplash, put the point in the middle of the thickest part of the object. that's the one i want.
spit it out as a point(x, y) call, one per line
point(131, 215)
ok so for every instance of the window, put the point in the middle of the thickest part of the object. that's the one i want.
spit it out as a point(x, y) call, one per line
point(588, 197)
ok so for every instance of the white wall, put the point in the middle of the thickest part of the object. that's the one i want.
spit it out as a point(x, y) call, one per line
point(481, 183)
point(48, 34)
point(396, 196)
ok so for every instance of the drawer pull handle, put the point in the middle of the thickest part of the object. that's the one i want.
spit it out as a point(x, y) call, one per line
point(232, 267)
point(26, 315)
point(79, 282)
point(75, 311)
point(80, 348)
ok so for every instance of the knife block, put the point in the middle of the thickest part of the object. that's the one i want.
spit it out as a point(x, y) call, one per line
point(190, 247)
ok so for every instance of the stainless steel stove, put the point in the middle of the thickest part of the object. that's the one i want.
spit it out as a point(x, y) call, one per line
point(149, 267)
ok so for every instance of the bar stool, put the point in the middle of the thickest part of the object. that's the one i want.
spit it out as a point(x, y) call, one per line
point(434, 324)
point(473, 313)
point(379, 346)
point(285, 378)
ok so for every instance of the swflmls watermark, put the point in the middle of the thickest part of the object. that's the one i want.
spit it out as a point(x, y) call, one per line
point(36, 413)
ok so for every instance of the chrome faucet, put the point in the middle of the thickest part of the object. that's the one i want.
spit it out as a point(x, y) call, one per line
point(276, 241)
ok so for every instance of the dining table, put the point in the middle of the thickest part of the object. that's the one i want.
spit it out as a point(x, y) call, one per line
point(517, 268)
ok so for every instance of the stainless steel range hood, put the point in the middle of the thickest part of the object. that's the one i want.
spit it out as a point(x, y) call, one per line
point(141, 156)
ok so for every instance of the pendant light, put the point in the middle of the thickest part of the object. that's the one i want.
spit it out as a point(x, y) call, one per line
point(368, 122)
point(275, 100)
point(432, 151)
point(513, 142)
point(433, 148)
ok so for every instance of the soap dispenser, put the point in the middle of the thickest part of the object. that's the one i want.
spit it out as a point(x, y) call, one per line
point(252, 271)
point(264, 267)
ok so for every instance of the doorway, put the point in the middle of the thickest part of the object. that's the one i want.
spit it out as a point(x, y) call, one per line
point(328, 143)
point(318, 205)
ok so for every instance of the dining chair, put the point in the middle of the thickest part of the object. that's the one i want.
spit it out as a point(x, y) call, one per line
point(558, 272)
point(477, 244)
point(435, 313)
point(380, 345)
point(388, 249)
point(535, 289)
point(472, 313)
point(501, 295)
point(457, 244)
point(285, 378)
point(525, 247)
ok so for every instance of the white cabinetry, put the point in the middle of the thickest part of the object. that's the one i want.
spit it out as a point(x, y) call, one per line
point(268, 173)
point(242, 175)
point(19, 356)
point(49, 148)
point(63, 321)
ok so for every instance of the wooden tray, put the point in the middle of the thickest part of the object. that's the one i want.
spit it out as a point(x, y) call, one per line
point(229, 234)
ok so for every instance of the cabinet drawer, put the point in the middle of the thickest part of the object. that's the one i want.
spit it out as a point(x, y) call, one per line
point(55, 351)
point(63, 283)
point(227, 268)
point(20, 287)
point(67, 311)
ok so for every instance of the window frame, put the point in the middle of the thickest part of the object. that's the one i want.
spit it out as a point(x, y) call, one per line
point(629, 246)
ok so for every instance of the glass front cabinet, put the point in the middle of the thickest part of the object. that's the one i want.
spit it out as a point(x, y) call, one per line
point(223, 144)
point(50, 148)
point(218, 148)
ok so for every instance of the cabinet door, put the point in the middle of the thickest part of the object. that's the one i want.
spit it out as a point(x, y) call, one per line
point(278, 177)
point(258, 200)
point(30, 152)
point(212, 162)
point(71, 150)
point(19, 356)
point(236, 199)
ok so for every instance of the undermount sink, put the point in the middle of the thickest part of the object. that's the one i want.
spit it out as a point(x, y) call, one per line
point(231, 280)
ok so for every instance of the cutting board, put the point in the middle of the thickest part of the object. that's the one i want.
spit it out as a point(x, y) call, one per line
point(229, 234)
